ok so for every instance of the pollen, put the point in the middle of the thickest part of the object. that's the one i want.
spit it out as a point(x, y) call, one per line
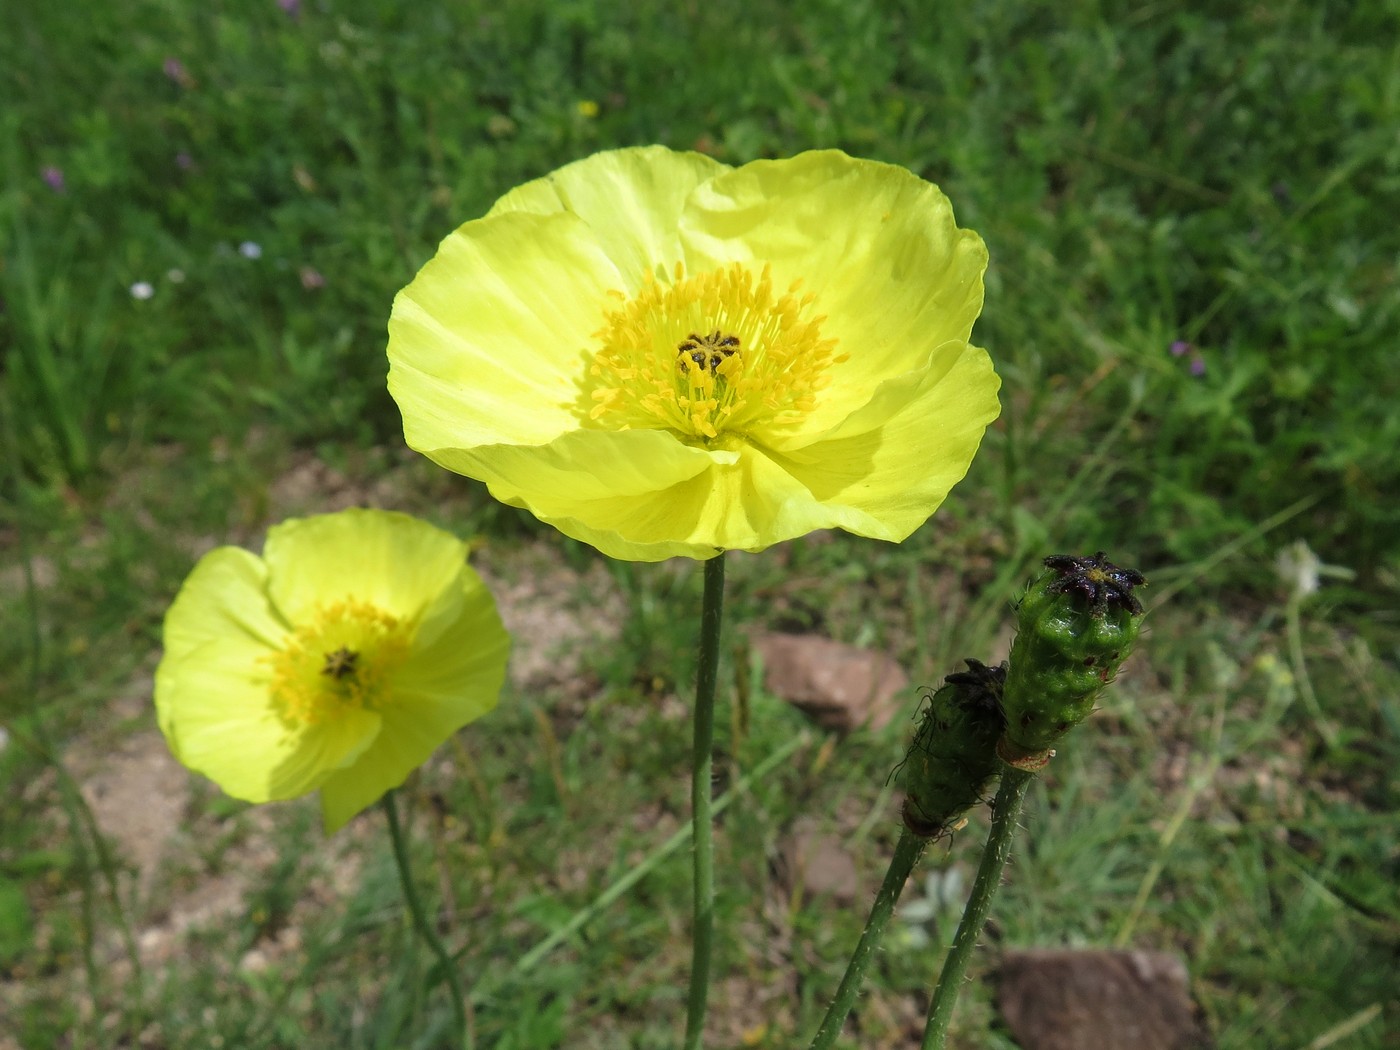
point(710, 353)
point(343, 658)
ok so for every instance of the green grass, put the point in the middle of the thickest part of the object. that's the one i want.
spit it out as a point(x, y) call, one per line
point(1142, 175)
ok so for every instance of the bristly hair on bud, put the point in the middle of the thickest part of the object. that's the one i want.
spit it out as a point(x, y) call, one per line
point(952, 758)
point(1075, 625)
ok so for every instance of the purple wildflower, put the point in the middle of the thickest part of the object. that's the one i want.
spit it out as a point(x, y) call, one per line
point(1180, 347)
point(53, 178)
point(292, 8)
point(184, 161)
point(176, 71)
point(1198, 366)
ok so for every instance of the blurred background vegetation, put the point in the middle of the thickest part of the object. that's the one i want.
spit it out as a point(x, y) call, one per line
point(205, 212)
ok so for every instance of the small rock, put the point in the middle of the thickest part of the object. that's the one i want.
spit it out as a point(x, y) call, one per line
point(840, 687)
point(820, 864)
point(1057, 999)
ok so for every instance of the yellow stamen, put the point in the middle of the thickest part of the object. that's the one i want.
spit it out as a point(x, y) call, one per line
point(342, 659)
point(711, 353)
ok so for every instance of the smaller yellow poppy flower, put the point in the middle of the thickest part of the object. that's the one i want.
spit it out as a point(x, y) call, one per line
point(337, 661)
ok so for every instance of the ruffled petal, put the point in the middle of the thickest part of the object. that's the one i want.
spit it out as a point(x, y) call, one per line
point(218, 716)
point(630, 200)
point(880, 473)
point(462, 666)
point(491, 341)
point(224, 596)
point(579, 466)
point(742, 501)
point(889, 466)
point(451, 680)
point(892, 274)
point(394, 562)
point(212, 680)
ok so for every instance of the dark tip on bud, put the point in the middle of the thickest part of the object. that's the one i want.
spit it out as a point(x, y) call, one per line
point(982, 685)
point(1101, 583)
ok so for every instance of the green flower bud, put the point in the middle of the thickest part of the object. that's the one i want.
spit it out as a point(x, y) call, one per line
point(1076, 624)
point(953, 756)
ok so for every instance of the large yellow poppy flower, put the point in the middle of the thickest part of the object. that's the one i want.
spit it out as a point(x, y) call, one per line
point(661, 355)
point(337, 661)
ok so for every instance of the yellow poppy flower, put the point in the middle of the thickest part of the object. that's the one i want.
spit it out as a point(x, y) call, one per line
point(661, 355)
point(337, 661)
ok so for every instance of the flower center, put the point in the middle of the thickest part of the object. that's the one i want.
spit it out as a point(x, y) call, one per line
point(710, 353)
point(342, 659)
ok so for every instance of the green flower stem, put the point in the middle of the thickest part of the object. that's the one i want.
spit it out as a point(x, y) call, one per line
point(1005, 811)
point(421, 924)
point(587, 914)
point(906, 854)
point(703, 932)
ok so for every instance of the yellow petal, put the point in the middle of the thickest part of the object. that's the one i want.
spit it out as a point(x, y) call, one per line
point(210, 674)
point(224, 596)
point(881, 473)
point(878, 247)
point(394, 562)
point(450, 680)
point(490, 341)
point(579, 466)
point(217, 713)
point(741, 501)
point(630, 199)
point(462, 663)
point(890, 465)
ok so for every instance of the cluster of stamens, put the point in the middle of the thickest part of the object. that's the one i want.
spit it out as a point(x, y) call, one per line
point(709, 353)
point(343, 658)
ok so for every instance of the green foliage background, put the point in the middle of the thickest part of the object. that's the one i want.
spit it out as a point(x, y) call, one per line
point(1224, 174)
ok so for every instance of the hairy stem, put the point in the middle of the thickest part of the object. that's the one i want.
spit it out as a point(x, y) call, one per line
point(1005, 811)
point(703, 932)
point(906, 854)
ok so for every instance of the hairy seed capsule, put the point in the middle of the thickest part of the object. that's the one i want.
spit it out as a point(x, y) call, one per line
point(1075, 626)
point(953, 755)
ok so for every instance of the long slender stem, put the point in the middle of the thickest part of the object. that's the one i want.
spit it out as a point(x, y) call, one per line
point(906, 854)
point(421, 924)
point(585, 915)
point(1005, 811)
point(703, 926)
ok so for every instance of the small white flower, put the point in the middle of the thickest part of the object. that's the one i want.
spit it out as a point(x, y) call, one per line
point(175, 276)
point(1297, 566)
point(142, 290)
point(1301, 571)
point(250, 250)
